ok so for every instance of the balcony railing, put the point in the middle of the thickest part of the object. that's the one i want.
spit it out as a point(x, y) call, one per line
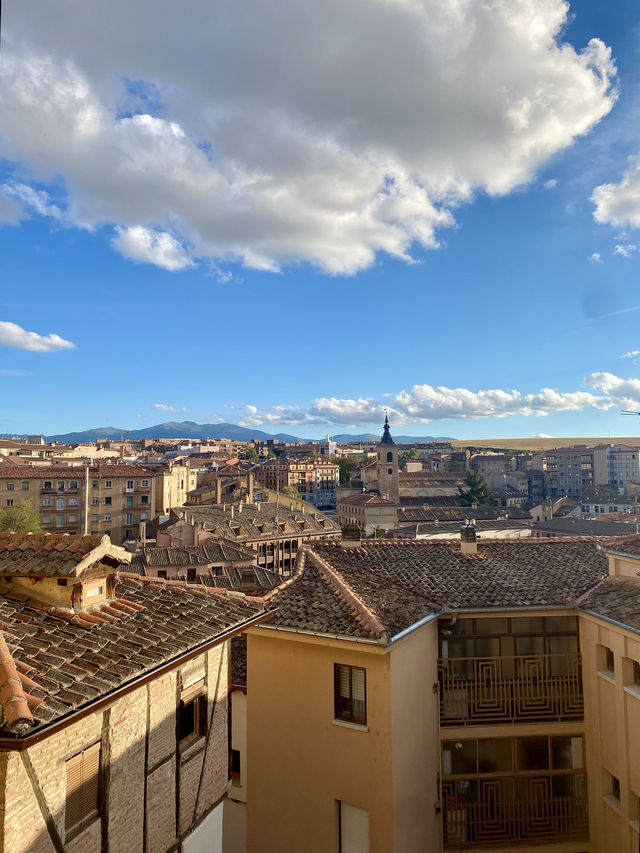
point(486, 813)
point(526, 688)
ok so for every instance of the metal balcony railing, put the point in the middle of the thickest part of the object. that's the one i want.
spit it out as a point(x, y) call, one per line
point(485, 813)
point(525, 688)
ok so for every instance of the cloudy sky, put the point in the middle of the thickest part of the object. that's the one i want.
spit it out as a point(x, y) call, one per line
point(294, 215)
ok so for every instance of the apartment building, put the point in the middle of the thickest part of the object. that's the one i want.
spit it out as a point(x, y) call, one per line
point(315, 479)
point(567, 470)
point(615, 465)
point(114, 500)
point(114, 700)
point(369, 511)
point(173, 482)
point(448, 696)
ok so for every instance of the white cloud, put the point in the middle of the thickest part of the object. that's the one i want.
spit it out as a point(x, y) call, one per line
point(38, 201)
point(276, 133)
point(595, 258)
point(549, 185)
point(625, 249)
point(543, 435)
point(171, 409)
point(5, 372)
point(12, 335)
point(619, 204)
point(154, 247)
point(633, 353)
point(426, 403)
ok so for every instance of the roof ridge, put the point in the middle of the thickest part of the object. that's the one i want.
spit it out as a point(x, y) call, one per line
point(344, 591)
point(15, 706)
point(300, 564)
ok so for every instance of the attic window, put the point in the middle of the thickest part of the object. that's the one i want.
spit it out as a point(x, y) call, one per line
point(94, 592)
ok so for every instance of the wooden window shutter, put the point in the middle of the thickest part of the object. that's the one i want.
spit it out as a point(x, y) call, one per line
point(73, 811)
point(83, 785)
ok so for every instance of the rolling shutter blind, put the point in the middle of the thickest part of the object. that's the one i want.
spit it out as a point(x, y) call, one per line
point(344, 685)
point(357, 684)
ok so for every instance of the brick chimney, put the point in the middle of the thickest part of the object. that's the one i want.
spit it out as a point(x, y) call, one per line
point(468, 541)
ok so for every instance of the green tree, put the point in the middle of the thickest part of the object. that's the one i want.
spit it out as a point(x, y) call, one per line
point(250, 453)
point(21, 518)
point(346, 466)
point(412, 455)
point(291, 492)
point(476, 491)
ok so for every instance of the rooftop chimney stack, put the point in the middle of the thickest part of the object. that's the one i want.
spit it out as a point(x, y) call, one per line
point(468, 540)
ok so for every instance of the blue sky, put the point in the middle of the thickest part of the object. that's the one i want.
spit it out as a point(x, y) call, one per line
point(309, 220)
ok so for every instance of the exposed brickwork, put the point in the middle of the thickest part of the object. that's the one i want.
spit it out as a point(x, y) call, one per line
point(161, 808)
point(162, 724)
point(122, 731)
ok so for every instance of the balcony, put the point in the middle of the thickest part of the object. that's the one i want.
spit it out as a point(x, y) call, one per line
point(527, 688)
point(503, 811)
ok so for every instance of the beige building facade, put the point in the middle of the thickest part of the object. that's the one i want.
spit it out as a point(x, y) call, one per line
point(502, 718)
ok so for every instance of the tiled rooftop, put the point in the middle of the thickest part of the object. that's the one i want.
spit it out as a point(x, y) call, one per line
point(386, 586)
point(222, 551)
point(366, 499)
point(66, 660)
point(616, 598)
point(71, 472)
point(253, 523)
point(54, 555)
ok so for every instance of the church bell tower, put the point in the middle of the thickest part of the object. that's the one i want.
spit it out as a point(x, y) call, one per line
point(388, 471)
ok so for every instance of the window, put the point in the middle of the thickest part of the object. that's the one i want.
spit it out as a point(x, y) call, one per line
point(25, 485)
point(235, 767)
point(144, 516)
point(48, 484)
point(350, 693)
point(95, 518)
point(129, 503)
point(9, 487)
point(144, 499)
point(129, 518)
point(73, 501)
point(83, 785)
point(107, 517)
point(9, 502)
point(162, 573)
point(128, 534)
point(108, 484)
point(47, 502)
point(73, 484)
point(59, 503)
point(353, 828)
point(144, 484)
point(389, 456)
point(605, 662)
point(72, 519)
point(61, 485)
point(191, 574)
point(192, 713)
point(130, 485)
point(95, 592)
point(46, 519)
point(107, 501)
point(95, 501)
point(95, 484)
point(610, 661)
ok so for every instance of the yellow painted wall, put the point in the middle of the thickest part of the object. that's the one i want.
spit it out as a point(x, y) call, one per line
point(300, 762)
point(612, 734)
point(415, 743)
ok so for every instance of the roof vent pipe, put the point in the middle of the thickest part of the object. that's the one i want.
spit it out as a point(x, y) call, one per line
point(468, 540)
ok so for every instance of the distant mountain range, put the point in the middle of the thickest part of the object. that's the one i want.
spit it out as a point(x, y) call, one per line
point(190, 429)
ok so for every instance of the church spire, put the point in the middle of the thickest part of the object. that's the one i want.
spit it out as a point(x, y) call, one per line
point(386, 435)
